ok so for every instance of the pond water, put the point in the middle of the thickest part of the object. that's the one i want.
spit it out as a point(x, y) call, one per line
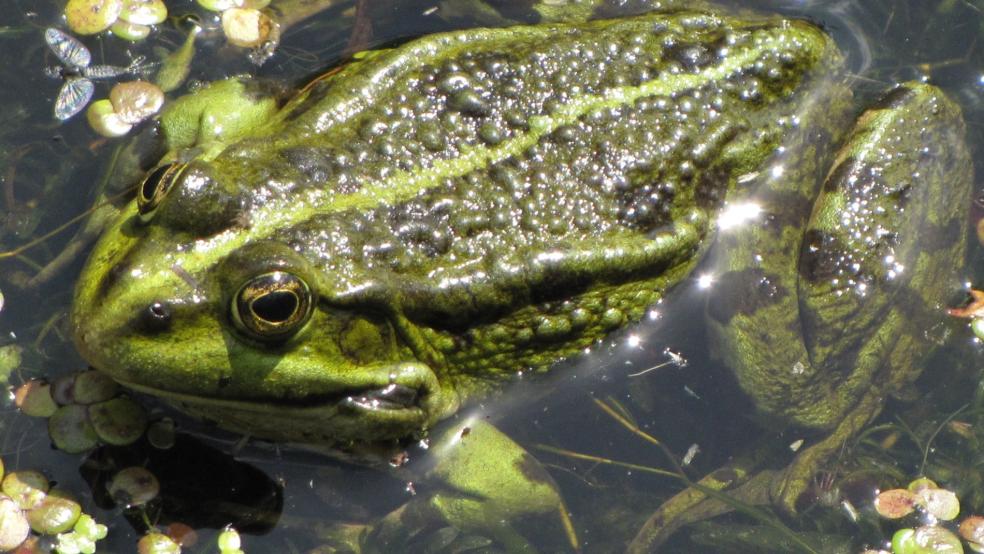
point(658, 374)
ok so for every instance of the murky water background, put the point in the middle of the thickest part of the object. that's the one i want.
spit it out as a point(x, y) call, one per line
point(279, 496)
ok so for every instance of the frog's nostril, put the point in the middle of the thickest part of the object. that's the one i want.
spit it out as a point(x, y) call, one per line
point(154, 318)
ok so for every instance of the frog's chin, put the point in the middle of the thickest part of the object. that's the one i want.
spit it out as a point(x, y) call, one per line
point(390, 412)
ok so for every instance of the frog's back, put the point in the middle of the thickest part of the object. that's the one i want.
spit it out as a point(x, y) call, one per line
point(487, 175)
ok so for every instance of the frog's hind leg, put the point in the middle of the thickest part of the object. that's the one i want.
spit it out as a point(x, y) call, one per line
point(820, 335)
point(695, 503)
point(789, 485)
point(882, 253)
point(745, 483)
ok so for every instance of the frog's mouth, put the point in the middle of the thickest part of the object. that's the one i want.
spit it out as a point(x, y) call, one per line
point(395, 409)
point(391, 397)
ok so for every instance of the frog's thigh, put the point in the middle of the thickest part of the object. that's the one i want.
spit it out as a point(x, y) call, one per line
point(882, 253)
point(886, 231)
point(884, 244)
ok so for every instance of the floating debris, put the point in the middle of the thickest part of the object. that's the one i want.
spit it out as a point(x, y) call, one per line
point(57, 513)
point(223, 5)
point(89, 17)
point(161, 434)
point(974, 310)
point(63, 389)
point(27, 488)
point(143, 12)
point(247, 27)
point(10, 359)
point(134, 486)
point(127, 19)
point(692, 452)
point(183, 534)
point(939, 503)
point(77, 72)
point(82, 539)
point(895, 503)
point(129, 103)
point(229, 541)
point(27, 504)
point(220, 5)
point(922, 483)
point(135, 101)
point(119, 421)
point(71, 431)
point(972, 531)
point(91, 387)
point(88, 410)
point(14, 527)
point(137, 17)
point(34, 399)
point(133, 32)
point(104, 120)
point(675, 359)
point(157, 543)
point(176, 65)
point(928, 539)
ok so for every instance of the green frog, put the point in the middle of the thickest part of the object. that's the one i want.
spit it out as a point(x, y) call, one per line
point(406, 234)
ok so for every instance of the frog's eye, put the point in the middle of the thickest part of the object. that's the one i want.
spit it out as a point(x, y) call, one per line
point(154, 188)
point(272, 306)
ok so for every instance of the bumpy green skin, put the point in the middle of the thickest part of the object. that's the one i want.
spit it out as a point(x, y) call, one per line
point(467, 206)
point(478, 203)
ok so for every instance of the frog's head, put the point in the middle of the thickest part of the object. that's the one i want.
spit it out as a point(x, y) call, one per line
point(191, 296)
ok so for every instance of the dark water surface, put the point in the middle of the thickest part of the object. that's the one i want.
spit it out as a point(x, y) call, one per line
point(279, 496)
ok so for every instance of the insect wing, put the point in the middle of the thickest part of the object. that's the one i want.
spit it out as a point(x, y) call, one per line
point(72, 97)
point(69, 50)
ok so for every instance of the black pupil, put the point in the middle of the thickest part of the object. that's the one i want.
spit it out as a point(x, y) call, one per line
point(152, 181)
point(277, 306)
point(159, 311)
